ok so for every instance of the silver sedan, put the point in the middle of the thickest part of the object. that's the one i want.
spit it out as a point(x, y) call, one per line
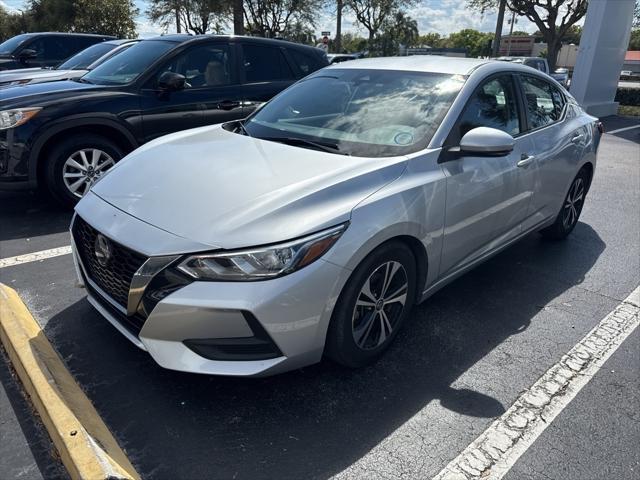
point(314, 226)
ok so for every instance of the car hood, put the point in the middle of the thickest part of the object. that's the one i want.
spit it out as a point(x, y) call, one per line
point(42, 93)
point(40, 75)
point(228, 190)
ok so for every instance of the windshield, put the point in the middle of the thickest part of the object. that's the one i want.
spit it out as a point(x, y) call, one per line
point(128, 65)
point(10, 45)
point(371, 113)
point(83, 59)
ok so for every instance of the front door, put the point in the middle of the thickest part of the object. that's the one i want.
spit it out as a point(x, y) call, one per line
point(487, 197)
point(210, 95)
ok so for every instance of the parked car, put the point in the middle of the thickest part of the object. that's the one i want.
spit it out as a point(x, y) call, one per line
point(64, 135)
point(71, 69)
point(561, 75)
point(340, 57)
point(314, 226)
point(44, 49)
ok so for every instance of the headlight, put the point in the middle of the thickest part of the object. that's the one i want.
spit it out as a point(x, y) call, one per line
point(16, 117)
point(262, 263)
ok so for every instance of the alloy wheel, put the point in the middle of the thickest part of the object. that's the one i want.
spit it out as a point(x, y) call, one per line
point(379, 305)
point(83, 168)
point(573, 203)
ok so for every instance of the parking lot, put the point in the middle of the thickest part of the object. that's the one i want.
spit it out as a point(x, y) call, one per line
point(460, 362)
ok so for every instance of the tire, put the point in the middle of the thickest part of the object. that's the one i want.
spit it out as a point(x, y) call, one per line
point(571, 208)
point(355, 335)
point(59, 164)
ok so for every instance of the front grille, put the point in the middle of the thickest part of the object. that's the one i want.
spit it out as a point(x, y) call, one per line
point(133, 323)
point(114, 277)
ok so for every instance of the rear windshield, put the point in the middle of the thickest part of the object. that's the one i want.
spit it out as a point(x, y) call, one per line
point(130, 64)
point(83, 59)
point(13, 43)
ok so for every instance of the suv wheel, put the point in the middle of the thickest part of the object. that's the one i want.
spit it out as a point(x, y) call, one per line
point(373, 305)
point(76, 164)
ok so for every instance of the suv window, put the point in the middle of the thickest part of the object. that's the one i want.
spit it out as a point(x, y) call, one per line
point(263, 63)
point(306, 62)
point(52, 47)
point(544, 102)
point(492, 105)
point(537, 64)
point(203, 66)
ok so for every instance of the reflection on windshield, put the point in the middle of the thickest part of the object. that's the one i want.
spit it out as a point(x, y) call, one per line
point(87, 56)
point(10, 45)
point(128, 65)
point(363, 112)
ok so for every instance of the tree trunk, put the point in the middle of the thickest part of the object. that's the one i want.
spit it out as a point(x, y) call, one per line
point(371, 37)
point(553, 47)
point(238, 18)
point(338, 42)
point(499, 23)
point(178, 26)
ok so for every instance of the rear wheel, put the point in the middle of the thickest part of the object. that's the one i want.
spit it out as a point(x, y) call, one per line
point(373, 305)
point(571, 208)
point(76, 164)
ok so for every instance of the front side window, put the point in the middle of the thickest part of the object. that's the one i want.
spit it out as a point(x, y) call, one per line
point(539, 100)
point(128, 65)
point(369, 113)
point(306, 62)
point(202, 66)
point(264, 63)
point(492, 105)
point(83, 59)
point(9, 47)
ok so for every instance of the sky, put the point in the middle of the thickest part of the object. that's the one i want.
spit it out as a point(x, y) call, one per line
point(440, 16)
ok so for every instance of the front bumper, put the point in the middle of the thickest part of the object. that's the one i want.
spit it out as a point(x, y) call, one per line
point(292, 311)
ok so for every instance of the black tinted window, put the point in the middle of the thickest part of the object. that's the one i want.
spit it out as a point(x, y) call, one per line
point(202, 66)
point(542, 109)
point(13, 43)
point(492, 105)
point(306, 62)
point(264, 63)
point(87, 56)
point(52, 47)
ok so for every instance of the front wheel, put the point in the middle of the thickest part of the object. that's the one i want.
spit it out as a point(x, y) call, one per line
point(75, 164)
point(372, 306)
point(571, 208)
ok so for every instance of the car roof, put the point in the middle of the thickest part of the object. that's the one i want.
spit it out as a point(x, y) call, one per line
point(120, 41)
point(418, 63)
point(33, 34)
point(183, 38)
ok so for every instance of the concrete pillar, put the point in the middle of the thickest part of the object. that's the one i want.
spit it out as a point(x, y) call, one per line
point(605, 37)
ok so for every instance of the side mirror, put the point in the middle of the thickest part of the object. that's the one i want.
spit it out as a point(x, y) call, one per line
point(486, 141)
point(171, 81)
point(27, 54)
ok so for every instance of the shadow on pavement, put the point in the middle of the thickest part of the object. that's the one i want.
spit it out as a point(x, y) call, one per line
point(315, 422)
point(31, 214)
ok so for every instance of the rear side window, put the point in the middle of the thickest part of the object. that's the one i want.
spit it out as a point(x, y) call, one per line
point(306, 62)
point(264, 63)
point(53, 47)
point(492, 105)
point(544, 102)
point(207, 65)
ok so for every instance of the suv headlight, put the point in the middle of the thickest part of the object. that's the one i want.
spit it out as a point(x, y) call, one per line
point(264, 262)
point(16, 117)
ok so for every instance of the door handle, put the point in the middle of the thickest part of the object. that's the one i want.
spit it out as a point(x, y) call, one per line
point(228, 105)
point(577, 137)
point(525, 160)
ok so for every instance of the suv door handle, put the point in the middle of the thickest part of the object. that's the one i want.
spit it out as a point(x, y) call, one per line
point(228, 105)
point(525, 160)
point(577, 137)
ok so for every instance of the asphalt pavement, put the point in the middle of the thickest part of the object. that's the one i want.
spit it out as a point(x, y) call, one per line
point(459, 363)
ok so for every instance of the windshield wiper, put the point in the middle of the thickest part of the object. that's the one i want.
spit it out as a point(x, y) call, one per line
point(302, 142)
point(83, 80)
point(242, 128)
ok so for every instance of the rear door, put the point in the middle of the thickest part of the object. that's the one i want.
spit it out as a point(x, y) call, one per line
point(264, 72)
point(487, 197)
point(558, 136)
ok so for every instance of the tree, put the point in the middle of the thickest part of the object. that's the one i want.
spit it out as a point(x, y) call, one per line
point(11, 24)
point(107, 17)
point(634, 40)
point(269, 18)
point(352, 43)
point(51, 15)
point(636, 14)
point(552, 17)
point(299, 32)
point(474, 41)
point(396, 31)
point(195, 16)
point(371, 14)
point(433, 40)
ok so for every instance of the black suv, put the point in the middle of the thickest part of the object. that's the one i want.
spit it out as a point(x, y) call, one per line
point(66, 134)
point(44, 49)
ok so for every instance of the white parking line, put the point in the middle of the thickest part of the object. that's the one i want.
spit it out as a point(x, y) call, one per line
point(35, 256)
point(623, 129)
point(498, 448)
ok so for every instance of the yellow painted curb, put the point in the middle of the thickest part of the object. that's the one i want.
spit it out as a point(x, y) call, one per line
point(85, 444)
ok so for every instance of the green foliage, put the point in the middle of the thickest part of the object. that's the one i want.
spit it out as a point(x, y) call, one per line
point(196, 16)
point(270, 18)
point(628, 96)
point(433, 40)
point(400, 30)
point(11, 24)
point(352, 43)
point(634, 40)
point(476, 43)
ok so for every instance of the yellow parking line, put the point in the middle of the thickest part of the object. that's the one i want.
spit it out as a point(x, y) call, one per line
point(87, 448)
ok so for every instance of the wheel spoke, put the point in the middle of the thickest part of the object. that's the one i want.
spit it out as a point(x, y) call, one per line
point(83, 156)
point(385, 327)
point(75, 185)
point(362, 334)
point(72, 163)
point(366, 291)
point(390, 272)
point(95, 156)
point(74, 175)
point(400, 295)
